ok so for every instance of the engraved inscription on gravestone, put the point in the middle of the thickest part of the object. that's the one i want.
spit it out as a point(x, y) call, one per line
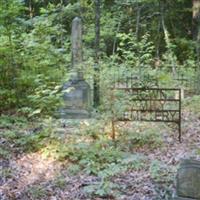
point(77, 97)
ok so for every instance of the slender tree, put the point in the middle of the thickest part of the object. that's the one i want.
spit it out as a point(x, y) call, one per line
point(138, 20)
point(166, 36)
point(97, 41)
point(196, 37)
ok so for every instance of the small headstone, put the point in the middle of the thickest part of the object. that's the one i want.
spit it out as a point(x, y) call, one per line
point(188, 180)
point(77, 97)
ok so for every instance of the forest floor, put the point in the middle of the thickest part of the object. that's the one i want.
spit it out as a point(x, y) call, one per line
point(141, 165)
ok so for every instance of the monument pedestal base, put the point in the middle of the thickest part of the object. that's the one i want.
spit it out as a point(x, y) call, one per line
point(77, 100)
point(74, 114)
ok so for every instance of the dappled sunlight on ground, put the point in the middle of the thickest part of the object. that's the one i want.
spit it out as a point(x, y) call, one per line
point(30, 169)
point(155, 150)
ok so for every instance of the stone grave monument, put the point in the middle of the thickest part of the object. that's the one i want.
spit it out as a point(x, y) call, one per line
point(77, 97)
point(188, 180)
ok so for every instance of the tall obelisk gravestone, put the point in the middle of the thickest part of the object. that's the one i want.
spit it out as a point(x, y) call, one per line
point(77, 98)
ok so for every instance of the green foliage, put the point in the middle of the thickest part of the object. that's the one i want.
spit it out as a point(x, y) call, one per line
point(104, 189)
point(9, 134)
point(192, 104)
point(140, 136)
point(35, 47)
point(134, 53)
point(98, 158)
point(10, 11)
point(86, 153)
point(10, 29)
point(46, 99)
point(95, 129)
point(6, 173)
point(4, 153)
point(60, 182)
point(133, 58)
point(94, 157)
point(8, 121)
point(73, 169)
point(37, 192)
point(158, 171)
point(34, 141)
point(34, 61)
point(163, 176)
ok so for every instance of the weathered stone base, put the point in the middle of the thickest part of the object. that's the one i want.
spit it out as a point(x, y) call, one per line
point(74, 114)
point(77, 100)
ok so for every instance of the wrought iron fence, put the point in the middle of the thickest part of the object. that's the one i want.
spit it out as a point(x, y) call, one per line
point(147, 104)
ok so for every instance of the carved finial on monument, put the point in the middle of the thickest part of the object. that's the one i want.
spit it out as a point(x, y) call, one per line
point(76, 42)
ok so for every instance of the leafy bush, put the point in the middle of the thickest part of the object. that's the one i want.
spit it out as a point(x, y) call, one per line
point(33, 141)
point(4, 153)
point(36, 192)
point(140, 136)
point(34, 60)
point(9, 121)
point(163, 177)
point(105, 189)
point(192, 104)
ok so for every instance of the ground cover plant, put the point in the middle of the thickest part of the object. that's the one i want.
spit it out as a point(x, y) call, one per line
point(47, 159)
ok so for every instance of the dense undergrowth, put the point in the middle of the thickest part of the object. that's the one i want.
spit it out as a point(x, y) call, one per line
point(85, 147)
point(81, 152)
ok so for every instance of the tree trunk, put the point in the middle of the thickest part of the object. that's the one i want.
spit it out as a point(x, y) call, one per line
point(138, 21)
point(97, 41)
point(196, 37)
point(115, 38)
point(30, 9)
point(158, 40)
point(167, 39)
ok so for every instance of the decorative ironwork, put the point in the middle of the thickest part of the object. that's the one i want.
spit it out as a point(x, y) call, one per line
point(148, 104)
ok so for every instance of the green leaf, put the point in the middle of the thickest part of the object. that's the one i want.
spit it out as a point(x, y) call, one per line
point(38, 111)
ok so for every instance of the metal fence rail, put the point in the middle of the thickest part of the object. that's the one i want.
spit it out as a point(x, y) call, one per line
point(148, 105)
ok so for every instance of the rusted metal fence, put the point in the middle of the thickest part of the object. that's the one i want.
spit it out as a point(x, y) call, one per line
point(146, 104)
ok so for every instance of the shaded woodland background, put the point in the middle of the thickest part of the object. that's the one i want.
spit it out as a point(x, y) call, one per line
point(153, 37)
